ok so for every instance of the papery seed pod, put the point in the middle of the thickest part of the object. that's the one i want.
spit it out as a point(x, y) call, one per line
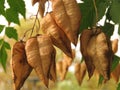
point(59, 38)
point(77, 71)
point(59, 68)
point(100, 50)
point(62, 19)
point(114, 45)
point(115, 74)
point(53, 75)
point(64, 70)
point(82, 72)
point(84, 39)
point(41, 6)
point(46, 50)
point(74, 14)
point(20, 67)
point(68, 59)
point(34, 59)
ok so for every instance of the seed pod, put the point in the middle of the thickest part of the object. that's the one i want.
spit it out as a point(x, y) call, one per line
point(77, 71)
point(62, 19)
point(84, 39)
point(114, 45)
point(34, 59)
point(115, 74)
point(68, 59)
point(82, 72)
point(59, 68)
point(20, 67)
point(41, 6)
point(74, 14)
point(100, 50)
point(53, 75)
point(59, 38)
point(46, 50)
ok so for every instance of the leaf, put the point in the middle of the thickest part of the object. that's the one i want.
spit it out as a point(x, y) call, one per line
point(1, 41)
point(12, 16)
point(1, 28)
point(3, 57)
point(18, 6)
point(108, 17)
point(7, 45)
point(108, 29)
point(2, 11)
point(115, 11)
point(115, 62)
point(11, 33)
point(119, 30)
point(118, 87)
point(100, 80)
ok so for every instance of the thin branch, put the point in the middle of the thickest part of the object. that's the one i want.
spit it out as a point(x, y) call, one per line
point(34, 23)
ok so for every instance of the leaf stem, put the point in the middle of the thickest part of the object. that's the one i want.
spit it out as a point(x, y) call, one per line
point(96, 11)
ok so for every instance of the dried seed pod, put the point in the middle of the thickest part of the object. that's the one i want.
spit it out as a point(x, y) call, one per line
point(68, 59)
point(20, 67)
point(59, 68)
point(115, 74)
point(82, 72)
point(62, 19)
point(53, 75)
point(74, 14)
point(84, 39)
point(59, 38)
point(77, 71)
point(34, 59)
point(41, 6)
point(99, 49)
point(114, 45)
point(46, 50)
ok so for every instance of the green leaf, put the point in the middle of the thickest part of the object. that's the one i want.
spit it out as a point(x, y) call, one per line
point(11, 33)
point(108, 29)
point(12, 16)
point(7, 45)
point(18, 6)
point(115, 11)
point(1, 41)
point(108, 17)
point(3, 57)
point(118, 87)
point(2, 11)
point(1, 28)
point(100, 80)
point(119, 30)
point(115, 62)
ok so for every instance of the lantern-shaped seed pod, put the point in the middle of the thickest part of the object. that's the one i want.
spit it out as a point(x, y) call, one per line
point(20, 67)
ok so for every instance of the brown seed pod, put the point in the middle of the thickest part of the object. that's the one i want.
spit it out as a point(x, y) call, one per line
point(59, 38)
point(84, 39)
point(73, 11)
point(34, 59)
point(62, 19)
point(46, 50)
point(115, 74)
point(41, 6)
point(20, 67)
point(53, 75)
point(99, 49)
point(114, 45)
point(68, 59)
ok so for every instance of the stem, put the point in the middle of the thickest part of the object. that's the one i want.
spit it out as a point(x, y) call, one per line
point(96, 11)
point(34, 23)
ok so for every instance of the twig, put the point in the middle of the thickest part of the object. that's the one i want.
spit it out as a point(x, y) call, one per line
point(34, 23)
